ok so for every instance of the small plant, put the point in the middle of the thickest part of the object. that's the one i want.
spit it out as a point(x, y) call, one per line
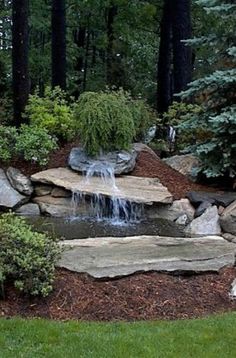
point(52, 112)
point(26, 256)
point(8, 137)
point(35, 144)
point(105, 121)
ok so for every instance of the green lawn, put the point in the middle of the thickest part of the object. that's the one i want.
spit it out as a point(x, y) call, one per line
point(211, 337)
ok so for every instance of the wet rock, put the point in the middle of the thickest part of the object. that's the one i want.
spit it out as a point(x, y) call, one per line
point(134, 189)
point(206, 224)
point(228, 219)
point(122, 162)
point(28, 210)
point(115, 257)
point(185, 164)
point(172, 212)
point(9, 197)
point(19, 181)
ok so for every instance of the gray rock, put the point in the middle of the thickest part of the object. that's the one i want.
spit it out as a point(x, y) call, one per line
point(19, 181)
point(133, 189)
point(202, 208)
point(233, 290)
point(9, 197)
point(206, 224)
point(182, 220)
point(228, 219)
point(41, 190)
point(122, 162)
point(60, 193)
point(172, 212)
point(185, 164)
point(229, 237)
point(28, 210)
point(219, 199)
point(115, 257)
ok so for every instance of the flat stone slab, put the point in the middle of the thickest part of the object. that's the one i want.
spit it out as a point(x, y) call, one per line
point(134, 189)
point(114, 257)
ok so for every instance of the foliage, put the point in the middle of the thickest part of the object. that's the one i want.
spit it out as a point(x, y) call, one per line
point(216, 91)
point(52, 112)
point(8, 137)
point(105, 121)
point(35, 144)
point(27, 256)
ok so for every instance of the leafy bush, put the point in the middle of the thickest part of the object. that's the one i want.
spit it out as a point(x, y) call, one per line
point(52, 112)
point(35, 144)
point(27, 257)
point(8, 137)
point(105, 121)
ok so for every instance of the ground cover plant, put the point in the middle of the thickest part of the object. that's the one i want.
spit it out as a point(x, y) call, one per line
point(209, 337)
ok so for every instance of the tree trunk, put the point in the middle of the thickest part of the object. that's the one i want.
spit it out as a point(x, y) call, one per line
point(79, 39)
point(59, 44)
point(20, 58)
point(182, 54)
point(111, 14)
point(164, 82)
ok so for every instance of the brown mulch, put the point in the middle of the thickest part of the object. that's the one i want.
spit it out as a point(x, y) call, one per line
point(144, 296)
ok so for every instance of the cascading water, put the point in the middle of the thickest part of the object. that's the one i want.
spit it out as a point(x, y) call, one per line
point(115, 209)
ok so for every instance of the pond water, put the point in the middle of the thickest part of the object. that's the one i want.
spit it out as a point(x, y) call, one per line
point(85, 228)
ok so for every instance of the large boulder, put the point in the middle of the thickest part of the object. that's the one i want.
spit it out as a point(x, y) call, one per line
point(206, 224)
point(19, 181)
point(121, 162)
point(185, 164)
point(9, 197)
point(29, 209)
point(228, 219)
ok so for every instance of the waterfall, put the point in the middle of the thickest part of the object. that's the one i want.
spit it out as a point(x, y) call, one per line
point(114, 209)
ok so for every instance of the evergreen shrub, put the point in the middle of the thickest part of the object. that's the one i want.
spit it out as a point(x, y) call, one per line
point(26, 256)
point(52, 112)
point(8, 137)
point(105, 121)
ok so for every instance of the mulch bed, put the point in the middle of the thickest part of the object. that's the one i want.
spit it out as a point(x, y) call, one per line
point(143, 296)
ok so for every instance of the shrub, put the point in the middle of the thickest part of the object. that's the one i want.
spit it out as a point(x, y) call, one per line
point(8, 137)
point(27, 257)
point(35, 144)
point(105, 121)
point(52, 112)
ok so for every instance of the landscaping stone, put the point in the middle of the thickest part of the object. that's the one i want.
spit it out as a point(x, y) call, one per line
point(19, 181)
point(122, 162)
point(60, 193)
point(114, 257)
point(229, 237)
point(133, 189)
point(172, 212)
point(59, 207)
point(206, 224)
point(9, 197)
point(41, 190)
point(182, 220)
point(233, 290)
point(219, 199)
point(184, 164)
point(28, 210)
point(202, 208)
point(228, 219)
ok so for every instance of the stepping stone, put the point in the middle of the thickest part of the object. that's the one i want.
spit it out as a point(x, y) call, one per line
point(133, 189)
point(114, 257)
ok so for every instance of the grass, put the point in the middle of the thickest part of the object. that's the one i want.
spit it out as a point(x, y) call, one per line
point(209, 337)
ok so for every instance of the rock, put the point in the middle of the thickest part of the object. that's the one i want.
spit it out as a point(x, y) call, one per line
point(233, 290)
point(185, 164)
point(229, 237)
point(228, 219)
point(182, 220)
point(202, 208)
point(60, 193)
point(9, 197)
point(173, 212)
point(19, 181)
point(41, 190)
point(134, 189)
point(206, 224)
point(59, 207)
point(114, 257)
point(219, 199)
point(28, 210)
point(220, 210)
point(122, 162)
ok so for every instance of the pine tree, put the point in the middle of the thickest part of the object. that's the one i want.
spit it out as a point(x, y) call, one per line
point(217, 93)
